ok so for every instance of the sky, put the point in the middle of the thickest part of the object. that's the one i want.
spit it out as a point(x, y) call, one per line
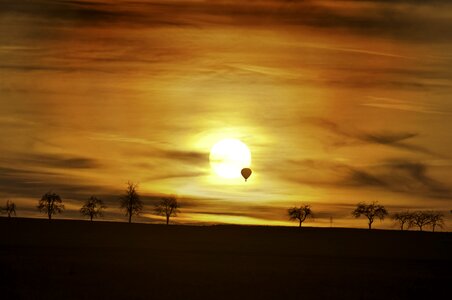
point(339, 102)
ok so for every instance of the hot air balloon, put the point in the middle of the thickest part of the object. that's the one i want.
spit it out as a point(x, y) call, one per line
point(246, 172)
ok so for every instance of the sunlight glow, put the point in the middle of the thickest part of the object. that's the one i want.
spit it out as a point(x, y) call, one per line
point(228, 157)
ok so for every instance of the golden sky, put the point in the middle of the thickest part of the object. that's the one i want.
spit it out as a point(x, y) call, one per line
point(338, 101)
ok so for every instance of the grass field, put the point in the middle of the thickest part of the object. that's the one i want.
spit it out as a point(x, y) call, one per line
point(65, 259)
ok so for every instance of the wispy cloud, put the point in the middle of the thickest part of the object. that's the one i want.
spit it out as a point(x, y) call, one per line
point(20, 182)
point(354, 137)
point(399, 176)
point(58, 161)
point(390, 19)
point(395, 104)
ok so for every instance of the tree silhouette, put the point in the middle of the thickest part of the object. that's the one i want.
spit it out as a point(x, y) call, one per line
point(300, 213)
point(167, 207)
point(436, 219)
point(371, 211)
point(10, 208)
point(92, 208)
point(420, 219)
point(402, 218)
point(50, 204)
point(131, 202)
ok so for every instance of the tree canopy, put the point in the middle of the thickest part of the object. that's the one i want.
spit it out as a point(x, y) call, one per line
point(371, 211)
point(50, 204)
point(93, 208)
point(300, 213)
point(167, 207)
point(10, 208)
point(130, 202)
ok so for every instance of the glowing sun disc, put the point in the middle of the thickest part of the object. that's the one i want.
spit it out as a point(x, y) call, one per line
point(228, 157)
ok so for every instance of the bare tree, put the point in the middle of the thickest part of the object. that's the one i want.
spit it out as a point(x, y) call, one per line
point(131, 202)
point(93, 208)
point(300, 213)
point(420, 219)
point(371, 211)
point(402, 218)
point(50, 204)
point(167, 207)
point(10, 208)
point(436, 219)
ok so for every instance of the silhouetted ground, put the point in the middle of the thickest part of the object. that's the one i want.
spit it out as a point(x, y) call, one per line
point(83, 260)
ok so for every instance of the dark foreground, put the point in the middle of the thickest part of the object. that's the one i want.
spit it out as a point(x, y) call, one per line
point(83, 260)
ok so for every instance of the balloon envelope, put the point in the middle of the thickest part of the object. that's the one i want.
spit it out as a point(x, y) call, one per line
point(246, 172)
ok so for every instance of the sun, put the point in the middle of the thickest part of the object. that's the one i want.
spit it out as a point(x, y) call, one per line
point(228, 157)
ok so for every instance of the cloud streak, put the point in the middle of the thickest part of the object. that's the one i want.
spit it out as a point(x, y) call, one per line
point(395, 104)
point(395, 19)
point(399, 176)
point(59, 161)
point(356, 137)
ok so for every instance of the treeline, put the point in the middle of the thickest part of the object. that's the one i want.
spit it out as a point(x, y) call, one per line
point(375, 211)
point(51, 204)
point(419, 219)
point(130, 202)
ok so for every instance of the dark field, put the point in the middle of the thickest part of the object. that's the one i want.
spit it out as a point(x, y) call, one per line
point(83, 260)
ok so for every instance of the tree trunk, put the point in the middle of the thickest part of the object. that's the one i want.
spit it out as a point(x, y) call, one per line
point(420, 228)
point(401, 227)
point(370, 225)
point(433, 227)
point(130, 218)
point(50, 216)
point(167, 219)
point(299, 225)
point(91, 216)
